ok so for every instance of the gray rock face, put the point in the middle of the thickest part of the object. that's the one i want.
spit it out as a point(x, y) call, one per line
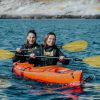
point(49, 8)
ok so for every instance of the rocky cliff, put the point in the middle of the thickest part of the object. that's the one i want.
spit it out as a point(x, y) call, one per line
point(49, 8)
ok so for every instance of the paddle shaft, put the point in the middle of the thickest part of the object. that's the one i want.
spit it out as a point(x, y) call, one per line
point(42, 56)
point(93, 61)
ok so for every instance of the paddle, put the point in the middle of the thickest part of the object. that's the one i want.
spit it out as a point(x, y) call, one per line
point(5, 54)
point(75, 46)
point(93, 61)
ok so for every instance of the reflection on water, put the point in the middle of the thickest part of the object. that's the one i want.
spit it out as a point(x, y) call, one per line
point(53, 92)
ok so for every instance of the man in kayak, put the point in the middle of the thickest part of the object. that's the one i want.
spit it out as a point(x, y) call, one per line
point(47, 52)
point(27, 48)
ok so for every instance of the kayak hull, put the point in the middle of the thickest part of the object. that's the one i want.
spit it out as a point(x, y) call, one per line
point(49, 74)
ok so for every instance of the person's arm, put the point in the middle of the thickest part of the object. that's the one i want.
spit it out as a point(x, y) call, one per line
point(61, 58)
point(24, 50)
point(19, 56)
point(34, 59)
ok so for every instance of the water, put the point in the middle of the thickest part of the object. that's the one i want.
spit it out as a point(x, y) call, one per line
point(13, 33)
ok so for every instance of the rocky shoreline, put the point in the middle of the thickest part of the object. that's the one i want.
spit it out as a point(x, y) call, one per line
point(48, 17)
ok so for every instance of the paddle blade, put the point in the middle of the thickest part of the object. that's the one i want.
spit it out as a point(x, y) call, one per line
point(93, 61)
point(76, 46)
point(4, 54)
point(98, 8)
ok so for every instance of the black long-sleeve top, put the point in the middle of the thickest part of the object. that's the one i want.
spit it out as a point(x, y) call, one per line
point(26, 50)
point(46, 52)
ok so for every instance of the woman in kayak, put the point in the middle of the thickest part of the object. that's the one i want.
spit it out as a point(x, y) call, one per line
point(48, 49)
point(27, 48)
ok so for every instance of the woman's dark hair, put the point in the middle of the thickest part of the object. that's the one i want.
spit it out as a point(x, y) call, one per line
point(46, 37)
point(33, 32)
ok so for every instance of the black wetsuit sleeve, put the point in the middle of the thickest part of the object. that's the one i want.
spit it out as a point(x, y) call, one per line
point(66, 61)
point(37, 60)
point(19, 56)
point(24, 49)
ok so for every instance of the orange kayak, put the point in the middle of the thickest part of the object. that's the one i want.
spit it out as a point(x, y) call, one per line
point(49, 74)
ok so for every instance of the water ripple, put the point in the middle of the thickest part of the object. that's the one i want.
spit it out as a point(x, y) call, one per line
point(13, 34)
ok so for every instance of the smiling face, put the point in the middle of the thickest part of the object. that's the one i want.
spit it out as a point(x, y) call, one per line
point(31, 38)
point(51, 40)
